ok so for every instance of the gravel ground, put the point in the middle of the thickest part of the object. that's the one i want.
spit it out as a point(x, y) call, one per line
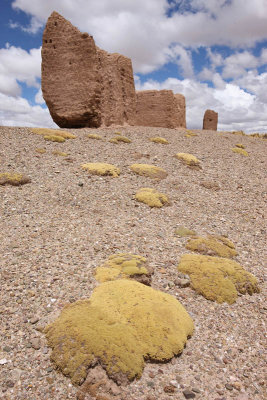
point(58, 228)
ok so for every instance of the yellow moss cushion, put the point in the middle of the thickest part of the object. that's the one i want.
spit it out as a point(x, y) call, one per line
point(217, 279)
point(148, 170)
point(41, 151)
point(94, 136)
point(188, 159)
point(59, 153)
point(14, 179)
point(121, 325)
point(240, 145)
point(151, 197)
point(120, 139)
point(124, 265)
point(102, 169)
point(240, 151)
point(54, 138)
point(190, 134)
point(212, 245)
point(182, 231)
point(238, 133)
point(159, 139)
point(53, 132)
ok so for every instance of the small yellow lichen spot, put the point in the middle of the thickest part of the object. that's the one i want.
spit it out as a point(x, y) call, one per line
point(54, 138)
point(14, 179)
point(60, 153)
point(122, 265)
point(120, 139)
point(188, 159)
point(190, 134)
point(94, 136)
point(150, 171)
point(238, 133)
point(120, 326)
point(53, 132)
point(159, 140)
point(102, 169)
point(240, 146)
point(212, 245)
point(151, 197)
point(240, 151)
point(217, 279)
point(117, 133)
point(41, 151)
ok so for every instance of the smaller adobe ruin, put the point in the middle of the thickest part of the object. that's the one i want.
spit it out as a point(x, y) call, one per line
point(210, 120)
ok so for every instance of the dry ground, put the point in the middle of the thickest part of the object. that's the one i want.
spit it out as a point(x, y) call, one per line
point(58, 228)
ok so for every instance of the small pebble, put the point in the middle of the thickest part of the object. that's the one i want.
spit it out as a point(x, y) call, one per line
point(34, 320)
point(7, 349)
point(228, 386)
point(188, 394)
point(36, 343)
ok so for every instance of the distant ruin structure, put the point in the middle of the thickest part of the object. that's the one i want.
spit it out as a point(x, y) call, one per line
point(160, 108)
point(210, 120)
point(84, 86)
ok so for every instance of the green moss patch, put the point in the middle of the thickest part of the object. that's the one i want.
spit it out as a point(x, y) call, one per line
point(217, 279)
point(182, 231)
point(188, 159)
point(240, 151)
point(13, 179)
point(151, 197)
point(212, 245)
point(53, 132)
point(120, 139)
point(159, 139)
point(124, 265)
point(148, 170)
point(102, 169)
point(119, 327)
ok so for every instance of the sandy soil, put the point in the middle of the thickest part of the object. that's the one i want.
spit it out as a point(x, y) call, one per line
point(58, 228)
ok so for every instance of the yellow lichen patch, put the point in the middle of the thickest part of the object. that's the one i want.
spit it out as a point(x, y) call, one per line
point(41, 151)
point(119, 327)
point(102, 169)
point(190, 134)
point(188, 159)
point(240, 151)
point(159, 139)
point(117, 133)
point(217, 279)
point(148, 170)
point(151, 197)
point(120, 139)
point(124, 265)
point(240, 146)
point(14, 179)
point(182, 231)
point(238, 133)
point(53, 132)
point(59, 153)
point(54, 138)
point(94, 136)
point(213, 245)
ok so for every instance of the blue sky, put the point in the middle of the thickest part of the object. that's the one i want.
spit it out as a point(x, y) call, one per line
point(212, 51)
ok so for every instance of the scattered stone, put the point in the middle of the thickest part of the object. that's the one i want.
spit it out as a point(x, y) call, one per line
point(228, 386)
point(210, 120)
point(7, 349)
point(10, 384)
point(217, 279)
point(188, 394)
point(213, 245)
point(3, 361)
point(102, 169)
point(36, 343)
point(125, 265)
point(182, 231)
point(159, 140)
point(152, 197)
point(34, 320)
point(183, 283)
point(121, 324)
point(196, 390)
point(169, 389)
point(78, 79)
point(210, 185)
point(148, 170)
